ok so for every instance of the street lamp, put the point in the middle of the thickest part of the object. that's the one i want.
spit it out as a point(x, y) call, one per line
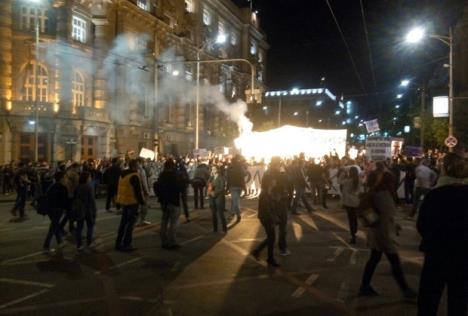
point(415, 36)
point(36, 70)
point(404, 83)
point(220, 39)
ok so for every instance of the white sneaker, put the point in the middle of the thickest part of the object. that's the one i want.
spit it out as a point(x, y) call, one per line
point(285, 253)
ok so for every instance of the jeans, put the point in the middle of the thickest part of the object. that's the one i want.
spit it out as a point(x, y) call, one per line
point(352, 219)
point(409, 191)
point(300, 195)
point(111, 193)
point(143, 211)
point(54, 228)
point(282, 230)
point(372, 265)
point(235, 201)
point(198, 194)
point(217, 210)
point(89, 219)
point(269, 242)
point(127, 221)
point(169, 223)
point(440, 270)
point(21, 196)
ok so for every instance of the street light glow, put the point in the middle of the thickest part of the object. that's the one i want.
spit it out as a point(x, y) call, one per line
point(399, 96)
point(337, 112)
point(318, 103)
point(404, 83)
point(221, 39)
point(296, 113)
point(415, 35)
point(265, 108)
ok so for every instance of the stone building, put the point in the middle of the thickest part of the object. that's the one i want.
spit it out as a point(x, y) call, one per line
point(96, 79)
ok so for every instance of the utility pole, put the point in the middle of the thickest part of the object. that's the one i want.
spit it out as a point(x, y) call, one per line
point(423, 115)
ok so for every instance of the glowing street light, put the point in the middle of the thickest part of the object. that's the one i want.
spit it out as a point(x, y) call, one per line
point(399, 96)
point(318, 103)
point(415, 35)
point(404, 83)
point(175, 73)
point(265, 108)
point(397, 106)
point(221, 39)
point(296, 113)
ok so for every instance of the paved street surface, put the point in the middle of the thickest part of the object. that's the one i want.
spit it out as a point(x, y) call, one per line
point(212, 274)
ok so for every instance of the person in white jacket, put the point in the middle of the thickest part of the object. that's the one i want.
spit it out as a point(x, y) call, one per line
point(146, 192)
point(425, 179)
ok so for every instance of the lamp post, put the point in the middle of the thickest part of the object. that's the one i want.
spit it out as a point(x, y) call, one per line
point(220, 39)
point(415, 36)
point(405, 83)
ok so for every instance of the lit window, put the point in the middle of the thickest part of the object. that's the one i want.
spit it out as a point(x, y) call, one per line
point(42, 87)
point(143, 4)
point(78, 89)
point(253, 48)
point(189, 6)
point(221, 27)
point(206, 16)
point(233, 38)
point(28, 18)
point(79, 29)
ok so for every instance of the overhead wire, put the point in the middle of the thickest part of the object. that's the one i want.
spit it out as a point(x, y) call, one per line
point(371, 62)
point(358, 75)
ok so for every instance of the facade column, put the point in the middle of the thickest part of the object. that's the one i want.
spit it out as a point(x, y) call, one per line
point(6, 59)
point(100, 47)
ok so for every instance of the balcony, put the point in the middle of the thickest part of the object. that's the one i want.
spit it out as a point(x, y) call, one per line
point(92, 114)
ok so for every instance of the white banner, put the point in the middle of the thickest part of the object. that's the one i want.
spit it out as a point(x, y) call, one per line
point(147, 154)
point(378, 148)
point(440, 106)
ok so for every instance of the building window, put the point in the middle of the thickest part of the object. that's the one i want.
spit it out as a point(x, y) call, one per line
point(253, 48)
point(221, 27)
point(234, 38)
point(143, 4)
point(207, 16)
point(188, 75)
point(28, 18)
point(88, 147)
point(78, 89)
point(189, 6)
point(42, 88)
point(79, 29)
point(26, 146)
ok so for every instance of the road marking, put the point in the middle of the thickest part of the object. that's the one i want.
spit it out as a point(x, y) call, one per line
point(309, 221)
point(353, 258)
point(23, 257)
point(123, 264)
point(240, 240)
point(140, 299)
point(191, 240)
point(300, 290)
point(47, 306)
point(219, 282)
point(24, 282)
point(297, 229)
point(338, 223)
point(338, 252)
point(24, 298)
point(343, 241)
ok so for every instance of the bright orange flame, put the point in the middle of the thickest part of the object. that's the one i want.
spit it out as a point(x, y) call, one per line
point(289, 141)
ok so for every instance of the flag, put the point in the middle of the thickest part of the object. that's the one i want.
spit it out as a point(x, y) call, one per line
point(372, 126)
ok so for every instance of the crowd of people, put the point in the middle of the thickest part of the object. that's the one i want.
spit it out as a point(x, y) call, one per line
point(435, 188)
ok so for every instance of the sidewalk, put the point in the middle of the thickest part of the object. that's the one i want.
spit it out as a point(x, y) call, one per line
point(8, 198)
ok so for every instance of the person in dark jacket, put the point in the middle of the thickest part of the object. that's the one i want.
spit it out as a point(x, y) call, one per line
point(168, 189)
point(235, 184)
point(21, 184)
point(111, 179)
point(85, 205)
point(57, 200)
point(185, 180)
point(130, 197)
point(443, 226)
point(201, 175)
point(272, 211)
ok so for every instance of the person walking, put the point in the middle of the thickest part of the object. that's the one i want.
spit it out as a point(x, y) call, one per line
point(200, 177)
point(57, 203)
point(236, 183)
point(21, 182)
point(111, 179)
point(300, 185)
point(216, 195)
point(410, 177)
point(84, 210)
point(425, 179)
point(185, 180)
point(71, 179)
point(168, 188)
point(146, 193)
point(381, 236)
point(129, 196)
point(351, 188)
point(443, 226)
point(271, 206)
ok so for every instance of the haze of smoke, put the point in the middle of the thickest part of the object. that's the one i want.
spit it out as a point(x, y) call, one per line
point(130, 80)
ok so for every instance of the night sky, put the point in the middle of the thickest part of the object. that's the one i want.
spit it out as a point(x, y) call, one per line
point(306, 44)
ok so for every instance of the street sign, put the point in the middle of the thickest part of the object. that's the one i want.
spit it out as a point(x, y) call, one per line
point(451, 142)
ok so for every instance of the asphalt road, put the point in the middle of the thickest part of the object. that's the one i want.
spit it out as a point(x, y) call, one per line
point(212, 274)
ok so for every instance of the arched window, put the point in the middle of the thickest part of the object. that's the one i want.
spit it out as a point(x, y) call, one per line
point(78, 89)
point(42, 87)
